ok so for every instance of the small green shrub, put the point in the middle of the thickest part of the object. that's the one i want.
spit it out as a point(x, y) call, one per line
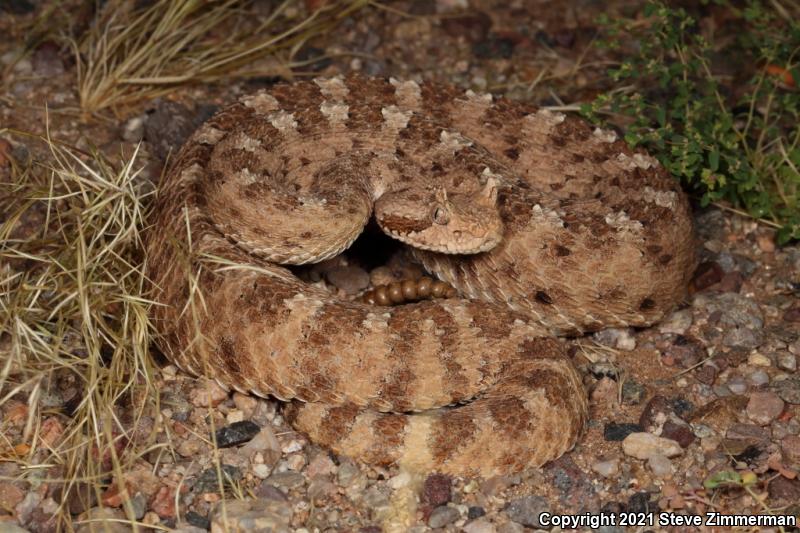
point(728, 140)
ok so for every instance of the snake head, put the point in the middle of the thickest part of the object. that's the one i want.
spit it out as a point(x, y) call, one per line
point(442, 221)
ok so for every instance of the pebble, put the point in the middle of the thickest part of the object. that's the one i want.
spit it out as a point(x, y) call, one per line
point(436, 490)
point(758, 359)
point(707, 274)
point(47, 61)
point(677, 323)
point(632, 392)
point(207, 393)
point(526, 510)
point(475, 511)
point(784, 491)
point(737, 385)
point(251, 515)
point(790, 445)
point(236, 433)
point(680, 433)
point(245, 403)
point(320, 465)
point(479, 526)
point(443, 515)
point(493, 47)
point(113, 521)
point(266, 443)
point(615, 432)
point(351, 279)
point(511, 527)
point(287, 480)
point(608, 468)
point(788, 389)
point(787, 361)
point(261, 471)
point(660, 465)
point(764, 407)
point(620, 338)
point(758, 377)
point(209, 480)
point(685, 351)
point(643, 445)
point(10, 495)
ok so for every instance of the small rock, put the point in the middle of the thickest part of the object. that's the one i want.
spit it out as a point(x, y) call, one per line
point(261, 471)
point(474, 27)
point(251, 515)
point(731, 282)
point(245, 403)
point(208, 480)
point(47, 61)
point(788, 390)
point(377, 497)
point(236, 433)
point(764, 407)
point(677, 323)
point(616, 338)
point(680, 433)
point(686, 351)
point(706, 275)
point(112, 520)
point(351, 279)
point(608, 468)
point(270, 492)
point(615, 432)
point(479, 526)
point(436, 490)
point(574, 485)
point(493, 48)
point(790, 445)
point(660, 465)
point(737, 385)
point(640, 502)
point(497, 484)
point(197, 520)
point(475, 511)
point(632, 392)
point(320, 465)
point(164, 502)
point(526, 510)
point(742, 337)
point(643, 445)
point(511, 527)
point(207, 393)
point(266, 443)
point(348, 474)
point(784, 491)
point(443, 515)
point(133, 130)
point(792, 315)
point(747, 432)
point(758, 377)
point(287, 480)
point(787, 361)
point(10, 495)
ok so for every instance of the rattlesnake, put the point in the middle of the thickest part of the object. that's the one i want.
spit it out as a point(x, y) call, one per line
point(557, 229)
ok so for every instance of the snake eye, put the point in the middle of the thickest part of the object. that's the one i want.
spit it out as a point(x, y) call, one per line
point(440, 215)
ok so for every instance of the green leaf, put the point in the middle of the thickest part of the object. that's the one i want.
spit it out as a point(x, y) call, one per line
point(713, 160)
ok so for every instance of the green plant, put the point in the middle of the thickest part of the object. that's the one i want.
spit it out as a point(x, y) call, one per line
point(730, 143)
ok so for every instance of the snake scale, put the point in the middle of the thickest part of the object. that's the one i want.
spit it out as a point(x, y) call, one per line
point(544, 225)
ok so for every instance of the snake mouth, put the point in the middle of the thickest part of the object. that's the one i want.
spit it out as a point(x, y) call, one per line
point(458, 246)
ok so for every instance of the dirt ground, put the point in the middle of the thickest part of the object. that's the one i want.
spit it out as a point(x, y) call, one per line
point(717, 381)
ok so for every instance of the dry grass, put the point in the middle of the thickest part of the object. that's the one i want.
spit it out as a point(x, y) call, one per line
point(73, 319)
point(129, 55)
